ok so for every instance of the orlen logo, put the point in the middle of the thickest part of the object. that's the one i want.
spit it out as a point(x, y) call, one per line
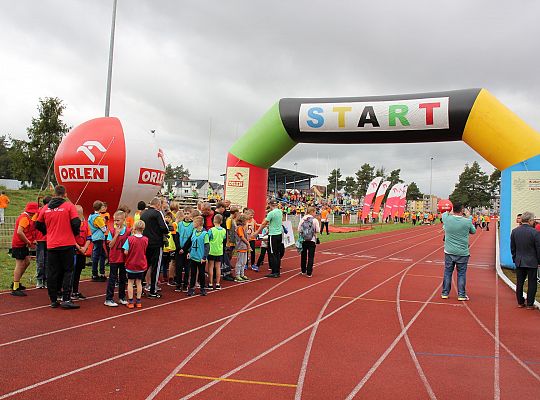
point(238, 182)
point(84, 173)
point(151, 177)
point(87, 148)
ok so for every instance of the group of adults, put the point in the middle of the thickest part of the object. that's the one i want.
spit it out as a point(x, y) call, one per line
point(524, 245)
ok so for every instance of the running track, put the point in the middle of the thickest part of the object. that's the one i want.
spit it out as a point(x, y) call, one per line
point(369, 324)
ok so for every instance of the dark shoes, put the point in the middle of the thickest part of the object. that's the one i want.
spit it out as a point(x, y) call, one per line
point(69, 305)
point(272, 276)
point(154, 295)
point(54, 304)
point(18, 293)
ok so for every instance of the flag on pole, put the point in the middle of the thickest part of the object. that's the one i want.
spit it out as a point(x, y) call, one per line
point(379, 198)
point(395, 192)
point(403, 201)
point(370, 194)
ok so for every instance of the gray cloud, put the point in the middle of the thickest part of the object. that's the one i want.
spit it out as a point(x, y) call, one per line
point(183, 67)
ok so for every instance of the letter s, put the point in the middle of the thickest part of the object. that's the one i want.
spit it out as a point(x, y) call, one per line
point(317, 119)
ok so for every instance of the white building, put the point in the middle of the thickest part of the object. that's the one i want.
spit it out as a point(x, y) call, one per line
point(195, 188)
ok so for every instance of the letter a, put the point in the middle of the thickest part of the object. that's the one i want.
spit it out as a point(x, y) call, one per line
point(368, 117)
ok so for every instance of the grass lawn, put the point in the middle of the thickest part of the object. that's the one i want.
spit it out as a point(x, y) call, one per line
point(510, 273)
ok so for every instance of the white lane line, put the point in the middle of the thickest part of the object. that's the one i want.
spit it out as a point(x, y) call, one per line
point(501, 344)
point(151, 345)
point(399, 234)
point(154, 344)
point(125, 314)
point(496, 365)
point(177, 369)
point(292, 337)
point(203, 344)
point(309, 346)
point(412, 353)
point(377, 364)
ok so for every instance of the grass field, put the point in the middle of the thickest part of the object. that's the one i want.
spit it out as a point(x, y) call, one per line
point(19, 198)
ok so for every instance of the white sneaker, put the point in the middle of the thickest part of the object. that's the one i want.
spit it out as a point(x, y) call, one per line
point(110, 303)
point(123, 302)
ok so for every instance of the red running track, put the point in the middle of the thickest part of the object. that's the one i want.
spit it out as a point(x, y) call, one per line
point(369, 324)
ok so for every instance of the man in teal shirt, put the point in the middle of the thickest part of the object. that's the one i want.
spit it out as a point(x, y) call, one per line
point(274, 220)
point(457, 227)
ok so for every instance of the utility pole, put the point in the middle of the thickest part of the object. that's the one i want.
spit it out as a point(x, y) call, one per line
point(430, 184)
point(111, 51)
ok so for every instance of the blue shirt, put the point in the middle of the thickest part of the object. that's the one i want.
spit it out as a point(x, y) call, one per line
point(97, 233)
point(185, 230)
point(198, 242)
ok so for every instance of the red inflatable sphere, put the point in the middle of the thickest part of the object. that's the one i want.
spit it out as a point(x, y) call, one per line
point(97, 160)
point(444, 205)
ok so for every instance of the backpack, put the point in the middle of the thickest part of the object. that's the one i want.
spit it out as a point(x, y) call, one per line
point(307, 229)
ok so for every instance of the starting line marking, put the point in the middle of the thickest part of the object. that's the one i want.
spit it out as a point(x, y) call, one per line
point(215, 378)
point(403, 301)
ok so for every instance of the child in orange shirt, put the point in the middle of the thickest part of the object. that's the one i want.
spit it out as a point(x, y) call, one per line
point(242, 249)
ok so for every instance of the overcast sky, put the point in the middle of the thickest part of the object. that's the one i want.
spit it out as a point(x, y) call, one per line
point(185, 68)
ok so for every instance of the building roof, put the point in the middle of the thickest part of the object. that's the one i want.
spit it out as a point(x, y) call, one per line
point(280, 174)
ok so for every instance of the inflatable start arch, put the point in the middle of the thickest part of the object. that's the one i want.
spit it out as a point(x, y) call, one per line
point(472, 115)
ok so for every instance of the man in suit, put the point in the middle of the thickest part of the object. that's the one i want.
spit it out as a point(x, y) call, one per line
point(525, 247)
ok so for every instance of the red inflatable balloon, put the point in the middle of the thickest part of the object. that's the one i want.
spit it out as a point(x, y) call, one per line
point(97, 160)
point(444, 205)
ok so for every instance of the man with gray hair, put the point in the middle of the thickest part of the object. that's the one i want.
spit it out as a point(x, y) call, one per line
point(525, 247)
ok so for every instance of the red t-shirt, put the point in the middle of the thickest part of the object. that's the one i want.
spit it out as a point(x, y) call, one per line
point(537, 227)
point(136, 258)
point(84, 234)
point(26, 222)
point(116, 253)
point(58, 224)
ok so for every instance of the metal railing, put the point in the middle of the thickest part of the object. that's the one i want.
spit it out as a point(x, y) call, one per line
point(6, 232)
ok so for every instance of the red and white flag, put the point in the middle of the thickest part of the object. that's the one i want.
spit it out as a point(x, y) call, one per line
point(379, 198)
point(370, 194)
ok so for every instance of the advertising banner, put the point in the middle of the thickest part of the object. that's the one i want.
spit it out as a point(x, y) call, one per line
point(379, 198)
point(238, 185)
point(370, 194)
point(403, 201)
point(525, 193)
point(393, 196)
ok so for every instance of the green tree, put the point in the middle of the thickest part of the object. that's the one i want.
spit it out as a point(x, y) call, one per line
point(350, 186)
point(31, 160)
point(174, 174)
point(5, 160)
point(394, 177)
point(472, 189)
point(334, 180)
point(494, 183)
point(363, 177)
point(381, 172)
point(413, 192)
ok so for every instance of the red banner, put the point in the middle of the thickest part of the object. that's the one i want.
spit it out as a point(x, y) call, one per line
point(395, 193)
point(370, 194)
point(379, 198)
point(403, 201)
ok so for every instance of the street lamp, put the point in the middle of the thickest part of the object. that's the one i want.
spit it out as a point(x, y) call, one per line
point(109, 71)
point(295, 173)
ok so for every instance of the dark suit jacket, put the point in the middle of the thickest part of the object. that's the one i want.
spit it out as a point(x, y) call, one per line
point(525, 246)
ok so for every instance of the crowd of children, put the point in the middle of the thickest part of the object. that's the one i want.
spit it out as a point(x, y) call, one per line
point(196, 253)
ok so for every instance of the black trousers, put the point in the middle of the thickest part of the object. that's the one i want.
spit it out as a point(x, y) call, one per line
point(194, 267)
point(530, 274)
point(307, 256)
point(182, 265)
point(61, 263)
point(153, 257)
point(117, 273)
point(80, 264)
point(274, 253)
point(324, 223)
point(252, 245)
point(261, 256)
